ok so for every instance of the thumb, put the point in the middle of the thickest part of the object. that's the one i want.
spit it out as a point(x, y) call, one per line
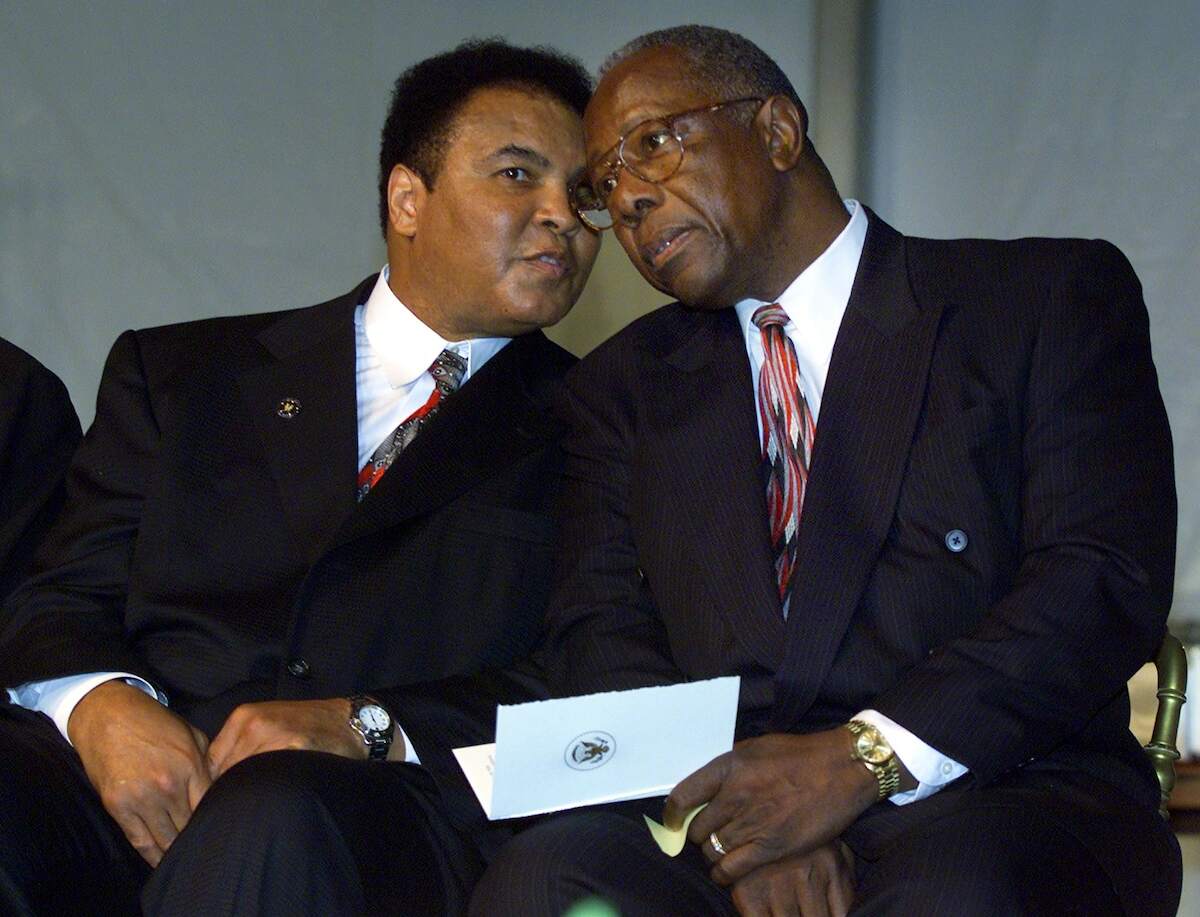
point(201, 740)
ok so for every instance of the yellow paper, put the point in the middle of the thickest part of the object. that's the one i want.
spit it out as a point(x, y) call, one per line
point(671, 842)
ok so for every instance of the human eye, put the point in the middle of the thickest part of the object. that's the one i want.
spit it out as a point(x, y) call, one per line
point(602, 185)
point(655, 142)
point(516, 174)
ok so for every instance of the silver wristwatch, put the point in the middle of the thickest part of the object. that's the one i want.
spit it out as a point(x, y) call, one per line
point(374, 724)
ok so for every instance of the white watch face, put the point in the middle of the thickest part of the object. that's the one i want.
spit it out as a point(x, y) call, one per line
point(374, 717)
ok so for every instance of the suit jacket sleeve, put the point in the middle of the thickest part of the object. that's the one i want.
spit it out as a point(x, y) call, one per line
point(68, 617)
point(1097, 519)
point(39, 431)
point(604, 631)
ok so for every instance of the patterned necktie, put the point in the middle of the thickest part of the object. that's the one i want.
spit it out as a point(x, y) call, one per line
point(788, 432)
point(447, 371)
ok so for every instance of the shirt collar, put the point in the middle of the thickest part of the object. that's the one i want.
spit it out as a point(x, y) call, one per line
point(406, 346)
point(824, 286)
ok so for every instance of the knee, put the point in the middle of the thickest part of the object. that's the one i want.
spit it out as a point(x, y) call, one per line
point(540, 871)
point(265, 794)
point(988, 863)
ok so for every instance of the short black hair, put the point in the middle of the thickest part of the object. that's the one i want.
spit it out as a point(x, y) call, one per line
point(428, 96)
point(727, 63)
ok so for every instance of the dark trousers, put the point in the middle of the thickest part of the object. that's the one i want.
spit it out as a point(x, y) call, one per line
point(1031, 845)
point(281, 833)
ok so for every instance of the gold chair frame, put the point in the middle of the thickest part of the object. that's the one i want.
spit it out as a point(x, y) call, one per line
point(1171, 663)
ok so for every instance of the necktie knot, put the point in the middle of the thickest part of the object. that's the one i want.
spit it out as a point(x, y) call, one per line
point(448, 370)
point(770, 315)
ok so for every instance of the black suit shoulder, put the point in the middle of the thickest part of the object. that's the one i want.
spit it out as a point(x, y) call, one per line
point(39, 432)
point(1029, 271)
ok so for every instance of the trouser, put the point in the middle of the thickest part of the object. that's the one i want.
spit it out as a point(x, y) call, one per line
point(281, 833)
point(1031, 844)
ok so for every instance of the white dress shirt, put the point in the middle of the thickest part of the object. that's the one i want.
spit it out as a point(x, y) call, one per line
point(815, 303)
point(393, 352)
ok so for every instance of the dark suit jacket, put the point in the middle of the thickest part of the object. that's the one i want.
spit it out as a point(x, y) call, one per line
point(39, 431)
point(1001, 389)
point(215, 548)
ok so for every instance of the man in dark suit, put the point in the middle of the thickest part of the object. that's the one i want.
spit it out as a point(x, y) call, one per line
point(278, 519)
point(39, 431)
point(918, 494)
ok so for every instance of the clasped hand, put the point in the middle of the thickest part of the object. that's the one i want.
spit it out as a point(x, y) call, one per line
point(772, 799)
point(151, 767)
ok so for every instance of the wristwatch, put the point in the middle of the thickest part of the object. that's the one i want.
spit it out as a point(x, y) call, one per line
point(873, 750)
point(374, 724)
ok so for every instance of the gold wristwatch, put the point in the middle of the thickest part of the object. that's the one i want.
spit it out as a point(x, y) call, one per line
point(873, 750)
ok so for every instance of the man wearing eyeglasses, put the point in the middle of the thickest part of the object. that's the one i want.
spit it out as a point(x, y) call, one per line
point(917, 494)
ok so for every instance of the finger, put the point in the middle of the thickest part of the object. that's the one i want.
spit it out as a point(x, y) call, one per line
point(139, 838)
point(808, 898)
point(234, 755)
point(710, 851)
point(220, 748)
point(739, 862)
point(693, 790)
point(749, 897)
point(237, 741)
point(177, 808)
point(841, 889)
point(839, 896)
point(197, 785)
point(200, 739)
point(161, 828)
point(732, 834)
point(797, 897)
point(716, 816)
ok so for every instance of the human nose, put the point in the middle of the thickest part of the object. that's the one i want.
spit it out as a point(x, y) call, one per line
point(632, 196)
point(556, 212)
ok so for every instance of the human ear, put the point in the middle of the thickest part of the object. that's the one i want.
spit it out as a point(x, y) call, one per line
point(405, 195)
point(783, 125)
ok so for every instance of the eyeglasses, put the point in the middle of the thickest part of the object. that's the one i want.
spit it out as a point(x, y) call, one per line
point(653, 151)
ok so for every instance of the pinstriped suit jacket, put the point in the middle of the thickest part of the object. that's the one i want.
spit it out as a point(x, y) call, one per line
point(1002, 389)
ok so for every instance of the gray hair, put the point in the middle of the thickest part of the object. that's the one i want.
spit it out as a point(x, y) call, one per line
point(725, 62)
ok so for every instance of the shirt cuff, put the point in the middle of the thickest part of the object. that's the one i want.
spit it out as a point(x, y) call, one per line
point(932, 769)
point(58, 697)
point(410, 753)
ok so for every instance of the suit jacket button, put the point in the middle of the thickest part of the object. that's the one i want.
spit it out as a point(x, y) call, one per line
point(299, 668)
point(288, 408)
point(956, 540)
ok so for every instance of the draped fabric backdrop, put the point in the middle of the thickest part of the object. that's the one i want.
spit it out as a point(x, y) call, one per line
point(161, 161)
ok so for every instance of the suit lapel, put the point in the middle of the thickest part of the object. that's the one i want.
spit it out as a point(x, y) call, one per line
point(710, 438)
point(303, 405)
point(486, 426)
point(873, 396)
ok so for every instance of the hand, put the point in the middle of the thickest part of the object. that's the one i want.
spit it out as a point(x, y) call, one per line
point(311, 725)
point(146, 763)
point(773, 797)
point(812, 884)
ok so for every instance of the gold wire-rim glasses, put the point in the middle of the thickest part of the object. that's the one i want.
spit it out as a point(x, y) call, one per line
point(592, 205)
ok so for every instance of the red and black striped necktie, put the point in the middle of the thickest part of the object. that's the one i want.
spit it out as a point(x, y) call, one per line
point(788, 431)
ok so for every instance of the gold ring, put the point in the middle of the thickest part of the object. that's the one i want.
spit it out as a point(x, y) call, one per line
point(716, 844)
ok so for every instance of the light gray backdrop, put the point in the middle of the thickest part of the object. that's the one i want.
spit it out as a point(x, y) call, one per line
point(165, 161)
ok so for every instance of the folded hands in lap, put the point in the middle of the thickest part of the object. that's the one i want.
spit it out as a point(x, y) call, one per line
point(151, 767)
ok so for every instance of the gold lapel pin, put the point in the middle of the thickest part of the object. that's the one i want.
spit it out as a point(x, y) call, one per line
point(288, 408)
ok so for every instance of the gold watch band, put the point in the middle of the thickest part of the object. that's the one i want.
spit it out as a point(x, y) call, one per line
point(886, 771)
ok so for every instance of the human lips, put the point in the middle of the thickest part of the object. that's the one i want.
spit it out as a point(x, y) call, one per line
point(663, 245)
point(556, 262)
